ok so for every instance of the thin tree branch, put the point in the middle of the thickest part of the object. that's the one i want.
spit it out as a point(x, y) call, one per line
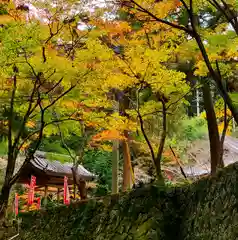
point(31, 152)
point(232, 19)
point(194, 33)
point(180, 165)
point(55, 86)
point(29, 110)
point(64, 93)
point(52, 34)
point(143, 129)
point(185, 5)
point(223, 135)
point(29, 136)
point(148, 39)
point(161, 20)
point(191, 5)
point(59, 97)
point(60, 132)
point(11, 159)
point(155, 112)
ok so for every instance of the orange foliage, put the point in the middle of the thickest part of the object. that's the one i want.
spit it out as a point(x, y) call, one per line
point(30, 124)
point(114, 29)
point(24, 146)
point(109, 135)
point(169, 156)
point(91, 124)
point(178, 3)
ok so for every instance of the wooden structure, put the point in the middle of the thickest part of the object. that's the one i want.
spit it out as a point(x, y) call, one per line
point(50, 174)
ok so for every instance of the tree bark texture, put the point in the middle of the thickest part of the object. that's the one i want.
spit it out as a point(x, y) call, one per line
point(162, 143)
point(214, 138)
point(127, 181)
point(81, 183)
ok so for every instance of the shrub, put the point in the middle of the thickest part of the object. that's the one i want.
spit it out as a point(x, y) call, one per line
point(52, 145)
point(100, 163)
point(192, 129)
point(3, 148)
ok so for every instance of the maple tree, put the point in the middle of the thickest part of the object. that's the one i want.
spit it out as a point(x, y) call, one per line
point(220, 48)
point(226, 9)
point(38, 78)
point(191, 27)
point(121, 80)
point(130, 72)
point(188, 18)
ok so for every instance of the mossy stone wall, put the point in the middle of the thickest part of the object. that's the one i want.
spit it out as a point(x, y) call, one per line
point(211, 208)
point(207, 209)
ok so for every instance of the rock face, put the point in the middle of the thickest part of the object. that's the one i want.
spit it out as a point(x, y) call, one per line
point(207, 209)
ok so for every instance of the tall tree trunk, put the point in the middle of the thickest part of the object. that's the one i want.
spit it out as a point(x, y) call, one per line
point(5, 192)
point(4, 197)
point(162, 143)
point(126, 163)
point(78, 181)
point(223, 135)
point(82, 188)
point(124, 104)
point(216, 76)
point(214, 138)
point(115, 157)
point(156, 159)
point(81, 183)
point(115, 166)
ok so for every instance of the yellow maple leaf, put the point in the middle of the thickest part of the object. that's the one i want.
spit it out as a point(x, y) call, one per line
point(30, 124)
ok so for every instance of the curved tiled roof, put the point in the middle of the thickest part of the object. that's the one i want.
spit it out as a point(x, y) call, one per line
point(56, 168)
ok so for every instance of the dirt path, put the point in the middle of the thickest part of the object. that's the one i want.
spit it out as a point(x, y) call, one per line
point(231, 143)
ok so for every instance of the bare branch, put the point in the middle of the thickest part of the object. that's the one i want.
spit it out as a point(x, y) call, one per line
point(64, 93)
point(218, 69)
point(48, 77)
point(178, 100)
point(191, 5)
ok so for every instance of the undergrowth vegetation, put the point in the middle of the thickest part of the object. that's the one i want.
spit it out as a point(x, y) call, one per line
point(187, 131)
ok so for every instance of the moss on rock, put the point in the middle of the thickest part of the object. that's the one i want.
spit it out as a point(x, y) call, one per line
point(207, 209)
